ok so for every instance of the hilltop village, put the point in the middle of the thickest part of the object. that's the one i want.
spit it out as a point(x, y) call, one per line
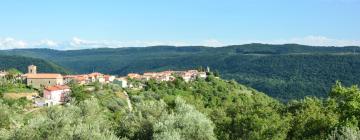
point(55, 89)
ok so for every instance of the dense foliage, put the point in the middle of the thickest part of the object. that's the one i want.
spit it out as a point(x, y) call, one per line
point(16, 86)
point(203, 109)
point(285, 72)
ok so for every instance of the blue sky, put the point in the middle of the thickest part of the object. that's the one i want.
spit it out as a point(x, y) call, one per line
point(76, 24)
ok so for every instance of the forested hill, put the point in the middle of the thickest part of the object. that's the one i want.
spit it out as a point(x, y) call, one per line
point(282, 71)
point(202, 109)
point(21, 63)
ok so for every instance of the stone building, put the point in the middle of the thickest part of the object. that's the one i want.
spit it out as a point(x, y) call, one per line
point(38, 80)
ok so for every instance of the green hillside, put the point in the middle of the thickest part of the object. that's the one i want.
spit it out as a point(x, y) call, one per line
point(203, 109)
point(282, 71)
point(21, 63)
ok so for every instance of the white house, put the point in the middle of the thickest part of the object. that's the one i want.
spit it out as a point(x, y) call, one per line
point(202, 75)
point(56, 94)
point(122, 82)
point(2, 74)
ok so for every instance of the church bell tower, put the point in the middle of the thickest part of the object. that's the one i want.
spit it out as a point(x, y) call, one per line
point(32, 69)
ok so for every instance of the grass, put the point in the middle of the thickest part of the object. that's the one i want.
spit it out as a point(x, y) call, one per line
point(27, 95)
point(19, 90)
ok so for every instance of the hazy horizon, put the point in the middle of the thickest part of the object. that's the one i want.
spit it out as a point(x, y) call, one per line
point(60, 48)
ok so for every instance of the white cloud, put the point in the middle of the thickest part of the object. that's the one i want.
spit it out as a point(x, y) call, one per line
point(46, 42)
point(79, 43)
point(12, 43)
point(9, 43)
point(213, 43)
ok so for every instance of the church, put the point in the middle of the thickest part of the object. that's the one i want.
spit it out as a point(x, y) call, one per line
point(40, 80)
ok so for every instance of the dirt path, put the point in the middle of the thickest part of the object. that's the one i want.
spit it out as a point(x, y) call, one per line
point(128, 101)
point(32, 110)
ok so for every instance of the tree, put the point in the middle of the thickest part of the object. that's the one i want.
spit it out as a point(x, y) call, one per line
point(312, 118)
point(78, 92)
point(12, 73)
point(348, 102)
point(139, 123)
point(217, 73)
point(345, 133)
point(184, 123)
point(85, 121)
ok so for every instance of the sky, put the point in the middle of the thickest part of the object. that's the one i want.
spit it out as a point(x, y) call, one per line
point(78, 24)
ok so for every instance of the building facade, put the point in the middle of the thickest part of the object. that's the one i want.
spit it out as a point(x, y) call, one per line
point(39, 80)
point(44, 80)
point(3, 74)
point(122, 82)
point(55, 95)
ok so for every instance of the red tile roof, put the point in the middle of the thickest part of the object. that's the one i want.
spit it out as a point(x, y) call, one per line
point(80, 78)
point(56, 87)
point(43, 76)
point(77, 77)
point(133, 75)
point(95, 74)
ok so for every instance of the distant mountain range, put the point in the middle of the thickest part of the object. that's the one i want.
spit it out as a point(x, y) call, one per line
point(21, 63)
point(285, 72)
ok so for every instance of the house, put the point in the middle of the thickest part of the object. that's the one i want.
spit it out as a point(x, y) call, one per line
point(191, 75)
point(134, 76)
point(56, 94)
point(202, 75)
point(89, 78)
point(150, 74)
point(68, 78)
point(121, 81)
point(158, 76)
point(80, 79)
point(186, 76)
point(96, 76)
point(109, 78)
point(3, 74)
point(167, 76)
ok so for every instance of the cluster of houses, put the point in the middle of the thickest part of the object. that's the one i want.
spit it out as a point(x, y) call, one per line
point(89, 78)
point(54, 85)
point(169, 75)
point(56, 91)
point(38, 80)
